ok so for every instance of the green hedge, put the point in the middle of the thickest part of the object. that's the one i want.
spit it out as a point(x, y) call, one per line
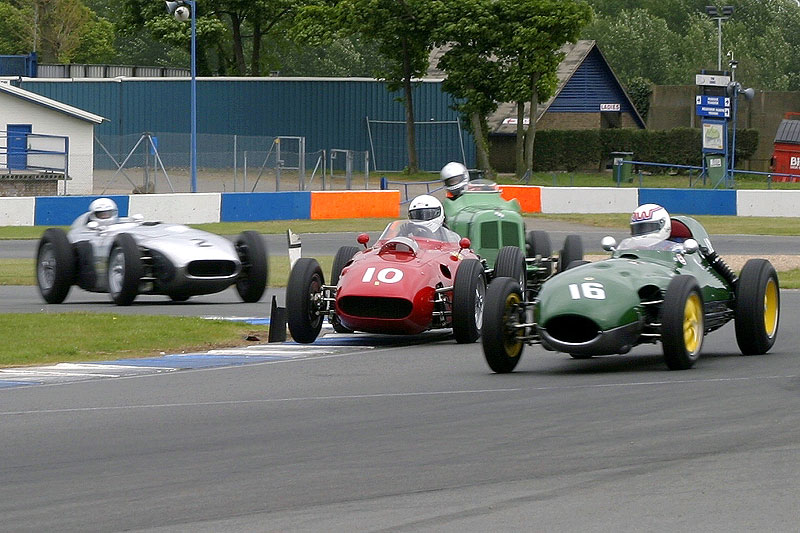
point(571, 150)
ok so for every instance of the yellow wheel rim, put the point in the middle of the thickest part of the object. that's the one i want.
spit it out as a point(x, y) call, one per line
point(771, 307)
point(692, 323)
point(512, 345)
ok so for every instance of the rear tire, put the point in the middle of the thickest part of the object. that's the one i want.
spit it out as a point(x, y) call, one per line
point(85, 274)
point(510, 263)
point(571, 251)
point(343, 255)
point(124, 269)
point(758, 306)
point(252, 280)
point(501, 347)
point(302, 304)
point(55, 266)
point(538, 243)
point(469, 294)
point(682, 322)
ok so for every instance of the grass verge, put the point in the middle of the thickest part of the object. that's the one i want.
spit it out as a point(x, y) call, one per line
point(713, 224)
point(35, 338)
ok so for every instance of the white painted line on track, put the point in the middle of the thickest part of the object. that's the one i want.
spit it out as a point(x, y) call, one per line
point(394, 395)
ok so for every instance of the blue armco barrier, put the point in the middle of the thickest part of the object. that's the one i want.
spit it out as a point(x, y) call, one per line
point(252, 206)
point(691, 201)
point(63, 210)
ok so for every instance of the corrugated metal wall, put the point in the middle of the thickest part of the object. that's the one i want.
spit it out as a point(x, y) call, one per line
point(329, 113)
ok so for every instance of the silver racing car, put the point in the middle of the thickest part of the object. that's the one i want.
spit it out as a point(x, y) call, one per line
point(129, 256)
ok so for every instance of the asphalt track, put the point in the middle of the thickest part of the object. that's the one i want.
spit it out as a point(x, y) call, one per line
point(415, 438)
point(371, 433)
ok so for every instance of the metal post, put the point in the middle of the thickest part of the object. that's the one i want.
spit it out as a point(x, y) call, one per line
point(719, 43)
point(278, 164)
point(366, 169)
point(235, 157)
point(349, 168)
point(193, 3)
point(244, 175)
point(729, 174)
point(302, 163)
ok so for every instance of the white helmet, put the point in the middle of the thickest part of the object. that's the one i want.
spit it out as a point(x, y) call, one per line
point(103, 210)
point(426, 211)
point(455, 177)
point(651, 219)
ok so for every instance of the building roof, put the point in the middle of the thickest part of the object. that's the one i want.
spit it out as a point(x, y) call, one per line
point(597, 81)
point(43, 101)
point(788, 132)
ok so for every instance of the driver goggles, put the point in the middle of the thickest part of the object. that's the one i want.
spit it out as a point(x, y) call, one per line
point(643, 228)
point(424, 213)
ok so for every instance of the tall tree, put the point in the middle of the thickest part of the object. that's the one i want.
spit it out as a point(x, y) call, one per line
point(68, 31)
point(522, 39)
point(401, 31)
point(469, 33)
point(534, 32)
point(15, 35)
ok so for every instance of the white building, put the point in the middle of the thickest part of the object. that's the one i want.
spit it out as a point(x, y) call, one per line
point(42, 140)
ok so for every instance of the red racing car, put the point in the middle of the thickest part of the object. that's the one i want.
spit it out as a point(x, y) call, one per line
point(410, 281)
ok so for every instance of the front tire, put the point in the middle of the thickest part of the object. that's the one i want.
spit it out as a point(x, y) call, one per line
point(502, 311)
point(682, 322)
point(469, 293)
point(252, 280)
point(303, 291)
point(124, 269)
point(55, 266)
point(758, 306)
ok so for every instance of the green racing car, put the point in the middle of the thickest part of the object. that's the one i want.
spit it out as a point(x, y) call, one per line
point(671, 289)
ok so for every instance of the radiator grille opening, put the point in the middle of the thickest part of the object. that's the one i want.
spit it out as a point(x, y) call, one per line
point(572, 328)
point(211, 268)
point(371, 307)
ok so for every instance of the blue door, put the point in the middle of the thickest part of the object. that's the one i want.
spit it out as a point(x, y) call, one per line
point(18, 145)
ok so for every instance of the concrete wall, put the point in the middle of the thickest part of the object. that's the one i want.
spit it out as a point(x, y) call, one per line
point(232, 207)
point(588, 200)
point(17, 211)
point(14, 110)
point(767, 203)
point(187, 208)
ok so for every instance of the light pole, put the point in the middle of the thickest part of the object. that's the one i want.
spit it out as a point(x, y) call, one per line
point(714, 13)
point(184, 10)
point(734, 89)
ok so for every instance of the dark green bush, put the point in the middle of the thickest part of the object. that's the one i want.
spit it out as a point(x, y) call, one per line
point(590, 149)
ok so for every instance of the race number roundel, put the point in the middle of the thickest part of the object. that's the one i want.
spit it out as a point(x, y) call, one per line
point(384, 275)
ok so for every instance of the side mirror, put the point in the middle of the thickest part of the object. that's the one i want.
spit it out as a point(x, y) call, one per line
point(608, 243)
point(92, 225)
point(690, 246)
point(363, 239)
point(464, 243)
point(138, 217)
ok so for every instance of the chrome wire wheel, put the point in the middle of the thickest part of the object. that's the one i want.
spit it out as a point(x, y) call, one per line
point(46, 269)
point(116, 271)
